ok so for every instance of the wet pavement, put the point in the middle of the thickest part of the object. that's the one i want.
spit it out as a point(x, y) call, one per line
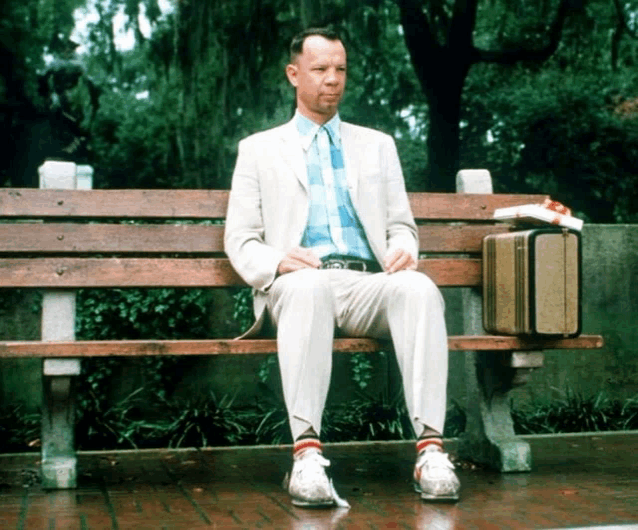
point(577, 481)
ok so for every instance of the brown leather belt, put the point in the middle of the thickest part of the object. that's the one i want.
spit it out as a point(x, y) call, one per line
point(353, 264)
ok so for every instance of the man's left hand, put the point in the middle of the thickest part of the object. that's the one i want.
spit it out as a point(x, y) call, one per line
point(399, 260)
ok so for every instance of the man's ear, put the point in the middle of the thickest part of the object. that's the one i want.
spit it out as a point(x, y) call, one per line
point(291, 74)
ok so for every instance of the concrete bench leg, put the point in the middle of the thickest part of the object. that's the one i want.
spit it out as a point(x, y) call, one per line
point(489, 436)
point(59, 463)
point(489, 433)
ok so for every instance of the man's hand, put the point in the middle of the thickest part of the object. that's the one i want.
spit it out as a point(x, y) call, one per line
point(399, 260)
point(298, 258)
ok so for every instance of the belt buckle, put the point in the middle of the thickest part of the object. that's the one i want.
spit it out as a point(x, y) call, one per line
point(345, 264)
point(335, 264)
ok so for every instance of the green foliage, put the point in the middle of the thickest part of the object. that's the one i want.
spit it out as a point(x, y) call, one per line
point(140, 422)
point(209, 422)
point(104, 314)
point(575, 412)
point(573, 135)
point(137, 423)
point(10, 298)
point(243, 308)
point(27, 31)
point(173, 108)
point(131, 141)
point(361, 369)
point(135, 314)
point(273, 427)
point(267, 368)
point(19, 430)
point(367, 419)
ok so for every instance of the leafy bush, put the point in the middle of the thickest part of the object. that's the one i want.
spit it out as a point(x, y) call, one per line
point(136, 423)
point(243, 308)
point(575, 412)
point(368, 419)
point(572, 134)
point(19, 430)
point(104, 314)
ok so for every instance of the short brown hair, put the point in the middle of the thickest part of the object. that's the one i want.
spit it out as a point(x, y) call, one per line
point(296, 45)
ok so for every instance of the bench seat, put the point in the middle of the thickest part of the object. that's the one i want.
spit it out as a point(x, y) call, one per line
point(135, 348)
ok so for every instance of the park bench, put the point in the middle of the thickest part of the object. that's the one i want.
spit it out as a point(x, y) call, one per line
point(60, 240)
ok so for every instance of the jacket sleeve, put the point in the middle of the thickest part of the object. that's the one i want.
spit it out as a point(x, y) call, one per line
point(254, 260)
point(401, 229)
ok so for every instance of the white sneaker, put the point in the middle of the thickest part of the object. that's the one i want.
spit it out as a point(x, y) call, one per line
point(308, 484)
point(434, 477)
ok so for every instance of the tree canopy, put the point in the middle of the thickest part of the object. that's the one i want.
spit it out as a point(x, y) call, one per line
point(540, 92)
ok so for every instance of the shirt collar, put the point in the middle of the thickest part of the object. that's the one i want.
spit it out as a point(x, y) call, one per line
point(308, 130)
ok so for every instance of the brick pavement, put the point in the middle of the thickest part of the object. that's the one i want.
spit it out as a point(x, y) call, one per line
point(577, 481)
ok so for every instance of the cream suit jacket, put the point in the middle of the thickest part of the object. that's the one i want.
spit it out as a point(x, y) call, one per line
point(268, 204)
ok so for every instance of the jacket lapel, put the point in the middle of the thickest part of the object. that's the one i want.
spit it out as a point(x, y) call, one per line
point(292, 153)
point(350, 155)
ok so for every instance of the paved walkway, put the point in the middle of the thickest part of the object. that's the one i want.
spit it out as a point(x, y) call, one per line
point(578, 481)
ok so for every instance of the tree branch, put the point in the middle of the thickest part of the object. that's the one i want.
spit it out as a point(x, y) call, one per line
point(512, 56)
point(419, 32)
point(622, 16)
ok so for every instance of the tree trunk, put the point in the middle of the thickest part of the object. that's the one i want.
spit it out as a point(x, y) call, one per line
point(441, 68)
point(442, 82)
point(443, 139)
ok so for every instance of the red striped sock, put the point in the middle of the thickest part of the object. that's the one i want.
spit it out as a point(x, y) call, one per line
point(303, 444)
point(423, 443)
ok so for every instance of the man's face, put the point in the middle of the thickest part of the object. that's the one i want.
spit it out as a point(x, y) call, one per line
point(319, 75)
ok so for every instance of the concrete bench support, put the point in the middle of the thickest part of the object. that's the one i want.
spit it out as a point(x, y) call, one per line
point(489, 436)
point(59, 463)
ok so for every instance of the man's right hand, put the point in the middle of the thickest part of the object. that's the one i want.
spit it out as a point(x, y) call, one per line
point(298, 258)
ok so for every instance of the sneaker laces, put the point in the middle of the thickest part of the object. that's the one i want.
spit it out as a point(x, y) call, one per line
point(313, 456)
point(435, 461)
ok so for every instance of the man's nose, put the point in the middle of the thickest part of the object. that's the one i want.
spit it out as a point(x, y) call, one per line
point(332, 78)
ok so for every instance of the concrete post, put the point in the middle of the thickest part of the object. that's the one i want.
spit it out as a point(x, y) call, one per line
point(489, 434)
point(59, 463)
point(84, 177)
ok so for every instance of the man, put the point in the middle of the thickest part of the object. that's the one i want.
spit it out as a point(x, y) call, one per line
point(320, 226)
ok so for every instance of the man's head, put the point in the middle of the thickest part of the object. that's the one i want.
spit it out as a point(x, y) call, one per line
point(317, 70)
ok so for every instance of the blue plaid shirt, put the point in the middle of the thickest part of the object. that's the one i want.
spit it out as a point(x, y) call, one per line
point(333, 226)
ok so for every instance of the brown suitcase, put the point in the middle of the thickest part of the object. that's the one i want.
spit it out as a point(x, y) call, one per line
point(532, 282)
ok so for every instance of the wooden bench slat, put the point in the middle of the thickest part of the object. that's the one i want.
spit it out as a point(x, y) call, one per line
point(117, 272)
point(126, 238)
point(134, 348)
point(175, 272)
point(109, 238)
point(465, 206)
point(210, 204)
point(125, 204)
point(456, 238)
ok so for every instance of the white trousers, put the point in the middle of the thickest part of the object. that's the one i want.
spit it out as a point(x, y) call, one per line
point(407, 306)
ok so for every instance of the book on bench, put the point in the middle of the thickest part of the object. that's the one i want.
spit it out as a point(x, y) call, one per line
point(538, 214)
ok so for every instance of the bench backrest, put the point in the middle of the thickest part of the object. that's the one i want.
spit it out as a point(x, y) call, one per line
point(174, 238)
